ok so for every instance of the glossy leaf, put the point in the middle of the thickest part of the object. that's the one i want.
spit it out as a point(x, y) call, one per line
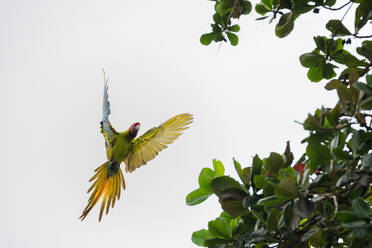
point(337, 28)
point(197, 196)
point(287, 189)
point(270, 201)
point(261, 9)
point(274, 163)
point(311, 59)
point(219, 169)
point(366, 50)
point(233, 38)
point(220, 228)
point(285, 25)
point(199, 237)
point(234, 28)
point(362, 14)
point(220, 184)
point(205, 177)
point(206, 39)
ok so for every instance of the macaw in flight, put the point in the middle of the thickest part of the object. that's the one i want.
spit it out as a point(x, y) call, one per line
point(135, 152)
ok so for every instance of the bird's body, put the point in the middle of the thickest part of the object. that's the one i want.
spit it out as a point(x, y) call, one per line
point(121, 147)
point(135, 152)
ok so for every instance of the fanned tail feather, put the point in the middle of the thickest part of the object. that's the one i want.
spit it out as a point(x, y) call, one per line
point(108, 187)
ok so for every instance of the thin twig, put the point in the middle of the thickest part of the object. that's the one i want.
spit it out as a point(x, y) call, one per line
point(363, 36)
point(230, 14)
point(329, 8)
point(365, 70)
point(346, 11)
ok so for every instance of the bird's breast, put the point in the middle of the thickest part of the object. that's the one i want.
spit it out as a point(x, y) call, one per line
point(121, 149)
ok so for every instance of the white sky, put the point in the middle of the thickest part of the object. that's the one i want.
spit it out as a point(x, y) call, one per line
point(244, 100)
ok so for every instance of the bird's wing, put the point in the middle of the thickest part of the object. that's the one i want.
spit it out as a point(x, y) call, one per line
point(147, 146)
point(109, 133)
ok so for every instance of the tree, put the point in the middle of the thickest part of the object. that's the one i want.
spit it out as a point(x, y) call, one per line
point(325, 198)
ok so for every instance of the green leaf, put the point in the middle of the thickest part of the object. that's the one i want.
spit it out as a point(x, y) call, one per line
point(362, 87)
point(256, 169)
point(270, 201)
point(354, 224)
point(217, 242)
point(309, 60)
point(233, 206)
point(287, 189)
point(290, 220)
point(205, 177)
point(344, 94)
point(366, 104)
point(346, 216)
point(361, 233)
point(328, 71)
point(244, 174)
point(361, 208)
point(311, 123)
point(272, 220)
point(223, 7)
point(220, 184)
point(217, 18)
point(318, 154)
point(333, 84)
point(220, 228)
point(362, 14)
point(246, 7)
point(219, 170)
point(321, 43)
point(260, 181)
point(309, 234)
point(199, 237)
point(315, 74)
point(337, 28)
point(285, 25)
point(304, 207)
point(367, 160)
point(206, 39)
point(366, 49)
point(261, 9)
point(345, 58)
point(233, 38)
point(267, 3)
point(317, 239)
point(234, 28)
point(369, 80)
point(330, 3)
point(274, 163)
point(197, 196)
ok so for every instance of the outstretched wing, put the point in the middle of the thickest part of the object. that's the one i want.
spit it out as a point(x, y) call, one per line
point(109, 133)
point(147, 146)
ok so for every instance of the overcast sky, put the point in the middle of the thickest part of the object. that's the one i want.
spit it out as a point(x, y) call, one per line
point(245, 100)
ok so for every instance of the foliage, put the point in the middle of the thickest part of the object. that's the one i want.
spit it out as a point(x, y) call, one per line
point(325, 198)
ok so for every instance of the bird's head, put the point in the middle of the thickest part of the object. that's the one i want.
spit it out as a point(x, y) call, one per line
point(134, 128)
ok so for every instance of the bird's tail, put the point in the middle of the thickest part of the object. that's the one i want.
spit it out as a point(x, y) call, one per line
point(108, 181)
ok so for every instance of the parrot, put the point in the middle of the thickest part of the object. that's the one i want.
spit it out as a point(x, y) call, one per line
point(134, 152)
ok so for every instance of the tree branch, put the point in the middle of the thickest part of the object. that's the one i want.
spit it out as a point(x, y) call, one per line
point(362, 36)
point(334, 9)
point(230, 15)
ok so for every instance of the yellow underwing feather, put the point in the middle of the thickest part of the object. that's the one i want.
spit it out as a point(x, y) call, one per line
point(147, 146)
point(106, 187)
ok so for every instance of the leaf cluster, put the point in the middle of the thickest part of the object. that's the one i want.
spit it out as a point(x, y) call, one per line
point(325, 198)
